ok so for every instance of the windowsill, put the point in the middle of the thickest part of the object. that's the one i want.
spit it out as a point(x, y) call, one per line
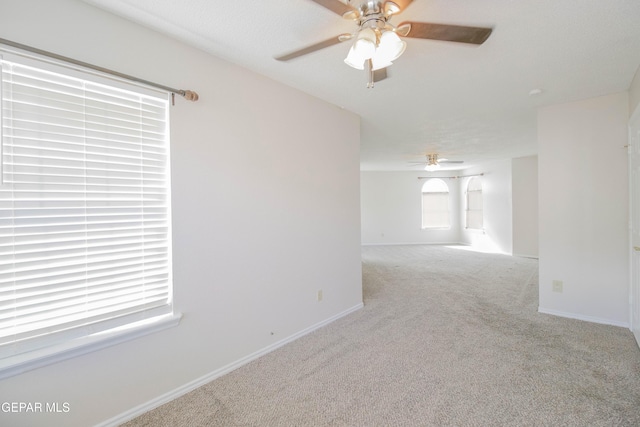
point(20, 363)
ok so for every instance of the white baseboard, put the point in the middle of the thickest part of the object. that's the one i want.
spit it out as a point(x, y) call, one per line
point(583, 317)
point(180, 391)
point(526, 256)
point(413, 243)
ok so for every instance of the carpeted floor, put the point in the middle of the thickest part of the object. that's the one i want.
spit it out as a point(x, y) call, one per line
point(447, 337)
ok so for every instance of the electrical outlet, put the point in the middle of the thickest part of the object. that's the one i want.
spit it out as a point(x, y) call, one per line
point(320, 295)
point(557, 286)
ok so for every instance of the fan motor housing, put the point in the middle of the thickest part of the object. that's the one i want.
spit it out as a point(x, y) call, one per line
point(372, 9)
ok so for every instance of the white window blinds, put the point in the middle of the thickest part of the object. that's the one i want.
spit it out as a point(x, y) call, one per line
point(84, 205)
point(435, 210)
point(474, 204)
point(435, 204)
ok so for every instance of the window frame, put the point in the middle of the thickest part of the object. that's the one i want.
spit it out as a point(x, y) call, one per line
point(134, 328)
point(431, 182)
point(469, 201)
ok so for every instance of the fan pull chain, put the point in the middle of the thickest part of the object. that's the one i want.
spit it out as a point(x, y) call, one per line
point(369, 70)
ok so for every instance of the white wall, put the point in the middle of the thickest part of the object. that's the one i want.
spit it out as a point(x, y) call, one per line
point(391, 208)
point(583, 208)
point(497, 201)
point(634, 93)
point(391, 205)
point(525, 206)
point(260, 223)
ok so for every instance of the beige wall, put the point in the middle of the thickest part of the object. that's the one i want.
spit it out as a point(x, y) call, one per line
point(634, 93)
point(260, 223)
point(525, 206)
point(583, 208)
point(391, 205)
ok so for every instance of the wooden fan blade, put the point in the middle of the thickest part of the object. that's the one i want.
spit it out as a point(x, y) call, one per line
point(450, 33)
point(336, 6)
point(402, 4)
point(314, 47)
point(450, 161)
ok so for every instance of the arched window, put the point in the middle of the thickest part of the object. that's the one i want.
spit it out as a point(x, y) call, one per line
point(435, 204)
point(474, 203)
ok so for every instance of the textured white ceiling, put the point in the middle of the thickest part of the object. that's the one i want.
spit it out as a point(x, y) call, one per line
point(465, 102)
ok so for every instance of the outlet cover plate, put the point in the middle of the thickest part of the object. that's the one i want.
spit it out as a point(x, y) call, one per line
point(557, 286)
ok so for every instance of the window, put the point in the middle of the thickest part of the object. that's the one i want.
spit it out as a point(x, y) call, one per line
point(84, 208)
point(435, 204)
point(474, 204)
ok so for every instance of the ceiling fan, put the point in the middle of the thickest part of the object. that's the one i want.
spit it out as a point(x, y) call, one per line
point(377, 42)
point(434, 162)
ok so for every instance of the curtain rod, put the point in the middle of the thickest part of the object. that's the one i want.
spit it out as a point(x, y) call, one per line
point(450, 177)
point(189, 95)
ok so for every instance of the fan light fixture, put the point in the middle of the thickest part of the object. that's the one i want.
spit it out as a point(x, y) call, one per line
point(432, 163)
point(377, 42)
point(381, 47)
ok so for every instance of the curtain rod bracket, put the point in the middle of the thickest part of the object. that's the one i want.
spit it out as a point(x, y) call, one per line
point(189, 95)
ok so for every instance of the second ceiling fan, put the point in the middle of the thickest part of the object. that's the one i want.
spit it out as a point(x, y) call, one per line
point(434, 161)
point(377, 42)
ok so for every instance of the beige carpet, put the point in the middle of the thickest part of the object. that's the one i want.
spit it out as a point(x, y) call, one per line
point(447, 337)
